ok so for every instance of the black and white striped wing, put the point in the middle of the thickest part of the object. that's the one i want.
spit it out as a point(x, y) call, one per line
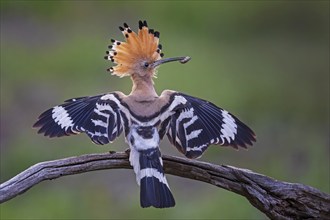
point(199, 123)
point(97, 116)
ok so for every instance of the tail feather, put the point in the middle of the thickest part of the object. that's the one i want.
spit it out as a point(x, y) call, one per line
point(155, 193)
point(147, 162)
point(154, 189)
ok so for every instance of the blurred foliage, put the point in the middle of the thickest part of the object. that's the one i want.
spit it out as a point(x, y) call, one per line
point(265, 61)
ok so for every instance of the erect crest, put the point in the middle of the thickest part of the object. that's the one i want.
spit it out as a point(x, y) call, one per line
point(143, 45)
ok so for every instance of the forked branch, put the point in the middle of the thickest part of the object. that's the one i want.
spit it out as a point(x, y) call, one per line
point(278, 200)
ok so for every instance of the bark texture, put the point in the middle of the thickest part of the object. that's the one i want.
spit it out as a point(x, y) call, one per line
point(278, 200)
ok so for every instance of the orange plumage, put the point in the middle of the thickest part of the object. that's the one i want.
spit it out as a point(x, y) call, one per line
point(143, 45)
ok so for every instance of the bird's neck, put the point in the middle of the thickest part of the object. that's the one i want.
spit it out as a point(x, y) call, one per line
point(143, 88)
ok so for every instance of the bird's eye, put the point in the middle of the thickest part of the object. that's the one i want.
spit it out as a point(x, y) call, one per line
point(146, 64)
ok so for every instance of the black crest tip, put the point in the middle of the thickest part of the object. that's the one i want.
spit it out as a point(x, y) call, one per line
point(157, 34)
point(145, 23)
point(125, 25)
point(121, 28)
point(140, 24)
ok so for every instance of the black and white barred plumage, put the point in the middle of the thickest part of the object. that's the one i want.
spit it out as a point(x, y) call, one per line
point(191, 124)
point(145, 157)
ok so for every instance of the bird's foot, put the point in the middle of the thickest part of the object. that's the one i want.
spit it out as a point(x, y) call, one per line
point(128, 151)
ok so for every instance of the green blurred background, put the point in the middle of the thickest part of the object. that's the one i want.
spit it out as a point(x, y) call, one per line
point(266, 62)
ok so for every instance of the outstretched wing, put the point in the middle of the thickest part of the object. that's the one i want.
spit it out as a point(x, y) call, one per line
point(97, 116)
point(199, 123)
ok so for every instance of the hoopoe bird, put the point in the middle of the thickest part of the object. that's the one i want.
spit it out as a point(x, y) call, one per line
point(191, 124)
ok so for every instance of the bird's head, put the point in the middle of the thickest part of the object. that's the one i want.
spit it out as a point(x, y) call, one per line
point(140, 54)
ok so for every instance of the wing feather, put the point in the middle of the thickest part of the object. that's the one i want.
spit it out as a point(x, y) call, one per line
point(199, 123)
point(97, 116)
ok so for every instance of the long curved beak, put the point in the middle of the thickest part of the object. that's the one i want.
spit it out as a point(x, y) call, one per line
point(166, 60)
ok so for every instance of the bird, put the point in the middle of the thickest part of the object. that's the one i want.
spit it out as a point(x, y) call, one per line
point(191, 124)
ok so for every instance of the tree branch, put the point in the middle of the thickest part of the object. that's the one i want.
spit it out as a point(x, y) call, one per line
point(278, 200)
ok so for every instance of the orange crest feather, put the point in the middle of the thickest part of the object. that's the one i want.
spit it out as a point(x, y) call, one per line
point(143, 45)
